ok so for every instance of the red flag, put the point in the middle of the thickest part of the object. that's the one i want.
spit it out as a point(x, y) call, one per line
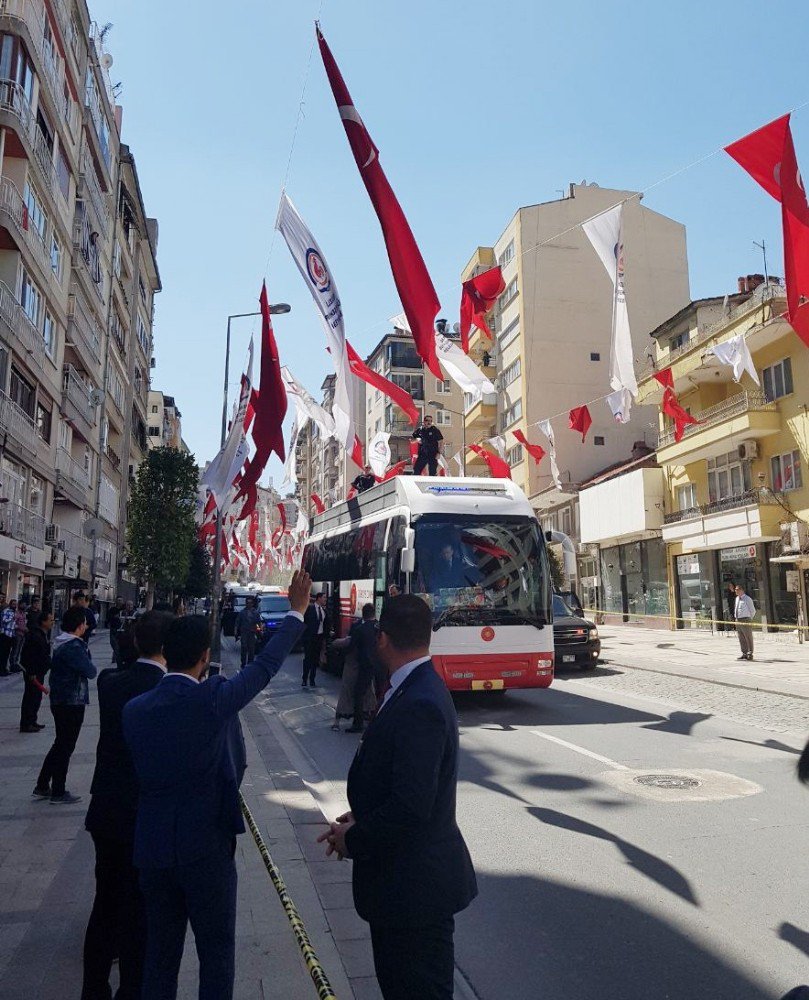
point(580, 420)
point(319, 506)
point(498, 468)
point(394, 470)
point(268, 432)
point(410, 275)
point(402, 399)
point(283, 512)
point(251, 408)
point(356, 452)
point(665, 378)
point(483, 545)
point(478, 295)
point(414, 450)
point(249, 505)
point(534, 450)
point(760, 154)
point(352, 492)
point(680, 416)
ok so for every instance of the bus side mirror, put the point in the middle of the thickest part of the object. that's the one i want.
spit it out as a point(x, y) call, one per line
point(407, 562)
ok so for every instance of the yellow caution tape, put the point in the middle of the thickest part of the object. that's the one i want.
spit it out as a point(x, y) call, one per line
point(316, 970)
point(695, 621)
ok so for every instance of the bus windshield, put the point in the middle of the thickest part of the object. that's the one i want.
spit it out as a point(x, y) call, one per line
point(472, 571)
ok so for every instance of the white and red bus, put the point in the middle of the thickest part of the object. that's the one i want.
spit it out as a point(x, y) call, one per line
point(471, 548)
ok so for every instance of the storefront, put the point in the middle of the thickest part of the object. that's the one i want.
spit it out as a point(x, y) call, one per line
point(634, 582)
point(21, 569)
point(704, 585)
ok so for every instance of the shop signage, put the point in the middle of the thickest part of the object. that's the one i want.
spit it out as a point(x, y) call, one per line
point(793, 580)
point(22, 555)
point(738, 552)
point(688, 565)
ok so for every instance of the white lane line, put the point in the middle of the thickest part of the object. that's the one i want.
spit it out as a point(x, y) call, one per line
point(581, 750)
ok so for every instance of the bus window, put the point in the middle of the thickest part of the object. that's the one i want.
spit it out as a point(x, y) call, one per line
point(396, 541)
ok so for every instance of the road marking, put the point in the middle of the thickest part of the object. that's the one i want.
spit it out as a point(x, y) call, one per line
point(581, 750)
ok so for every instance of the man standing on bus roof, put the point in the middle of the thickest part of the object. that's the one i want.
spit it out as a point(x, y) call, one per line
point(412, 872)
point(429, 439)
point(365, 480)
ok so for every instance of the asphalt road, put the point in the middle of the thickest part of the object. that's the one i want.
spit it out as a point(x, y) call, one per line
point(593, 885)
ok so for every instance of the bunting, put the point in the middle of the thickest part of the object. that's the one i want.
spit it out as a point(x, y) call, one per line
point(681, 417)
point(579, 420)
point(478, 296)
point(547, 430)
point(394, 392)
point(498, 468)
point(537, 452)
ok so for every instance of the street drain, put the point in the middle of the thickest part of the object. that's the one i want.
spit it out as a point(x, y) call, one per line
point(666, 781)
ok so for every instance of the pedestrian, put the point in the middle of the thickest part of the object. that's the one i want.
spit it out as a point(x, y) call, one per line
point(188, 751)
point(318, 626)
point(730, 597)
point(744, 611)
point(358, 674)
point(114, 625)
point(117, 925)
point(8, 634)
point(20, 628)
point(429, 439)
point(33, 614)
point(80, 600)
point(71, 668)
point(247, 621)
point(365, 480)
point(36, 662)
point(178, 607)
point(412, 872)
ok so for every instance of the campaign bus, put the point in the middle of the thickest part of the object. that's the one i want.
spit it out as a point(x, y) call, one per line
point(471, 548)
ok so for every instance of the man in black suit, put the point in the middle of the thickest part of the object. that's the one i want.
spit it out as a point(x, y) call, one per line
point(117, 926)
point(317, 627)
point(412, 871)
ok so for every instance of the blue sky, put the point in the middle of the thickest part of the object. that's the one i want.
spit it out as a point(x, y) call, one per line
point(476, 108)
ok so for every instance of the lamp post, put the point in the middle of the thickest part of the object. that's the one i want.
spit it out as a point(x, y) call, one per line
point(216, 638)
point(440, 406)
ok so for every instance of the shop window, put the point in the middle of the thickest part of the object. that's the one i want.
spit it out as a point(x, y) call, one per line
point(777, 380)
point(786, 472)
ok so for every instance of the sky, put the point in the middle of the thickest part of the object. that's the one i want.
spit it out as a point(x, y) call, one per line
point(476, 108)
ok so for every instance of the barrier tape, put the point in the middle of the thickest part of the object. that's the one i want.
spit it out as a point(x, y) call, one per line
point(771, 626)
point(316, 970)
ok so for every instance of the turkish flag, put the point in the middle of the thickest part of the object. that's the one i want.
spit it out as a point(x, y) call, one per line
point(579, 419)
point(394, 392)
point(271, 408)
point(760, 154)
point(283, 512)
point(665, 378)
point(356, 452)
point(394, 470)
point(478, 295)
point(680, 416)
point(534, 450)
point(319, 506)
point(413, 283)
point(352, 492)
point(414, 450)
point(498, 468)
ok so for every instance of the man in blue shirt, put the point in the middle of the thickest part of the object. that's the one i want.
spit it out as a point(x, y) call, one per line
point(187, 747)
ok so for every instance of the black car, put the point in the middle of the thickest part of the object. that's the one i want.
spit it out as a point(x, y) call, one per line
point(273, 609)
point(575, 639)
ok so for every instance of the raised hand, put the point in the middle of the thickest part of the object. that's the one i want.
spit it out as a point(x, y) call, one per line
point(299, 590)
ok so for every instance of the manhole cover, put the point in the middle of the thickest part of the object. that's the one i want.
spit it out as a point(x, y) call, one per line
point(667, 781)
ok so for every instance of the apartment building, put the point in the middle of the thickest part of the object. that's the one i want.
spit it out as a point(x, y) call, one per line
point(553, 326)
point(63, 388)
point(736, 499)
point(164, 422)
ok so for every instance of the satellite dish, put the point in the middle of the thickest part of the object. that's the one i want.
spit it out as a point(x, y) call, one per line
point(92, 527)
point(456, 327)
point(107, 60)
point(96, 397)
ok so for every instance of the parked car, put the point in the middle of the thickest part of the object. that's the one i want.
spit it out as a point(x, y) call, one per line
point(575, 638)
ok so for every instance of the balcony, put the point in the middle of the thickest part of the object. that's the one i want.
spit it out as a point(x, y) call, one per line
point(480, 414)
point(72, 479)
point(74, 545)
point(84, 329)
point(113, 457)
point(399, 427)
point(102, 561)
point(23, 336)
point(745, 415)
point(13, 209)
point(92, 193)
point(85, 240)
point(19, 425)
point(747, 518)
point(77, 404)
point(25, 525)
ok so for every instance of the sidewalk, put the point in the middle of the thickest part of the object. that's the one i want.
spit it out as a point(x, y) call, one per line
point(781, 664)
point(47, 884)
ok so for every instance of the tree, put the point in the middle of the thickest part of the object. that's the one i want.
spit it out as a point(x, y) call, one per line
point(198, 581)
point(161, 530)
point(557, 570)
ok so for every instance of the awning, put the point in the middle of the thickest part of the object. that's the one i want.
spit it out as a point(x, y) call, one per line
point(798, 557)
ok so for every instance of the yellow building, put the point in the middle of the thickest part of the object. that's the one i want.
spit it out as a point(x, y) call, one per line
point(736, 498)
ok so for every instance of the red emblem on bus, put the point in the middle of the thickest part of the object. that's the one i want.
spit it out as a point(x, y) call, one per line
point(487, 634)
point(353, 598)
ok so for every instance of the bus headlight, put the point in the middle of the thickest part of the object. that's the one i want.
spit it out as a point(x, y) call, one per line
point(593, 633)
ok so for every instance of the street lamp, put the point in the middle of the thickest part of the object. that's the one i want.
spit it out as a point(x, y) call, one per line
point(216, 639)
point(440, 406)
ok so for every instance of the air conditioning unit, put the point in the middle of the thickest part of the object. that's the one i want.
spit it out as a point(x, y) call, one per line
point(794, 536)
point(585, 549)
point(61, 546)
point(52, 533)
point(748, 450)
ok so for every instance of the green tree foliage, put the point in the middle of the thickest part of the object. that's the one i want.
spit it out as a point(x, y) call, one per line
point(200, 571)
point(161, 530)
point(557, 570)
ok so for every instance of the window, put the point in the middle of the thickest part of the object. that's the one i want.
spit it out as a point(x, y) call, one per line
point(777, 380)
point(598, 439)
point(443, 418)
point(507, 255)
point(49, 333)
point(30, 299)
point(37, 220)
point(402, 355)
point(679, 340)
point(154, 432)
point(512, 373)
point(43, 421)
point(512, 413)
point(115, 387)
point(687, 496)
point(595, 356)
point(142, 290)
point(786, 472)
point(22, 392)
point(154, 409)
point(509, 333)
point(442, 386)
point(414, 384)
point(15, 65)
point(514, 455)
point(378, 426)
point(117, 330)
point(36, 495)
point(65, 435)
point(143, 336)
point(105, 433)
point(370, 404)
point(727, 477)
point(56, 256)
point(63, 174)
point(509, 294)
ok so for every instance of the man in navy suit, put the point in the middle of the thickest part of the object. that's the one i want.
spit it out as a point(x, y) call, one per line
point(187, 747)
point(117, 926)
point(412, 871)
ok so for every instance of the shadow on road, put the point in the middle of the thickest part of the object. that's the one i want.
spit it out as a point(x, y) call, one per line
point(795, 936)
point(680, 723)
point(767, 744)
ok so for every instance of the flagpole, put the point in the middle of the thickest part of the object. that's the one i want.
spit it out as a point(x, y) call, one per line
point(216, 632)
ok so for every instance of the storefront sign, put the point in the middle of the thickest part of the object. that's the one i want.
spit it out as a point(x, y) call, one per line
point(793, 581)
point(688, 565)
point(739, 552)
point(22, 555)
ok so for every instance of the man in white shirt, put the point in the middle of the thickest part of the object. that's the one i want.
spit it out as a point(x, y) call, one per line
point(744, 612)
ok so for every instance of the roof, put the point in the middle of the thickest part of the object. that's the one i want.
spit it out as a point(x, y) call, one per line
point(613, 471)
point(692, 307)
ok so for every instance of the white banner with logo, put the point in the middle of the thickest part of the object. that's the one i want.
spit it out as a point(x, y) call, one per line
point(379, 454)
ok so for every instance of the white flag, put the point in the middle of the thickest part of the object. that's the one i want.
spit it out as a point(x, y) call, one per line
point(291, 465)
point(499, 445)
point(442, 464)
point(458, 457)
point(736, 353)
point(463, 370)
point(312, 265)
point(379, 454)
point(606, 234)
point(620, 404)
point(227, 464)
point(312, 409)
point(547, 430)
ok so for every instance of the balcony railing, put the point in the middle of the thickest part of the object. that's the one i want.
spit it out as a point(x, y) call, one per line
point(402, 428)
point(102, 561)
point(735, 406)
point(25, 525)
point(23, 332)
point(85, 328)
point(18, 424)
point(755, 497)
point(113, 456)
point(94, 195)
point(75, 545)
point(13, 206)
point(71, 470)
point(77, 391)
